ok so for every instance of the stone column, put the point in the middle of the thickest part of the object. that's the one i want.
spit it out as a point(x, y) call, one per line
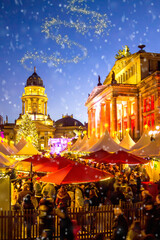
point(98, 123)
point(45, 108)
point(114, 116)
point(93, 122)
point(89, 123)
point(136, 118)
point(122, 122)
point(26, 106)
point(128, 115)
point(23, 106)
point(107, 114)
point(102, 119)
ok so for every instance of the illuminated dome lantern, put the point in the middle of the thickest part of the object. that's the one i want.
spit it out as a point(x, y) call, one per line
point(34, 80)
point(34, 100)
point(34, 103)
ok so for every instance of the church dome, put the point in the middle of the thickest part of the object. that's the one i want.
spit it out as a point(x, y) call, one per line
point(68, 121)
point(34, 80)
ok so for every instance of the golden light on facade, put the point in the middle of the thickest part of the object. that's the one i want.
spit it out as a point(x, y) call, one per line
point(106, 125)
point(146, 127)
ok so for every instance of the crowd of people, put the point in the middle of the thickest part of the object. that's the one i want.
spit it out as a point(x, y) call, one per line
point(49, 199)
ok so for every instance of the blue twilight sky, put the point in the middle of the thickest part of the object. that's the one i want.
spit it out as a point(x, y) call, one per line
point(70, 43)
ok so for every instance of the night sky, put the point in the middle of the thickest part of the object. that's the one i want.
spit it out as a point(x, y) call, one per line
point(70, 43)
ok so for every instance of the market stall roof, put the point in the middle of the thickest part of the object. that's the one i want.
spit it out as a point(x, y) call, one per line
point(83, 142)
point(10, 148)
point(122, 157)
point(21, 144)
point(53, 164)
point(116, 139)
point(13, 147)
point(127, 142)
point(76, 144)
point(106, 143)
point(76, 173)
point(4, 149)
point(4, 160)
point(150, 150)
point(44, 164)
point(89, 143)
point(143, 141)
point(28, 149)
point(97, 155)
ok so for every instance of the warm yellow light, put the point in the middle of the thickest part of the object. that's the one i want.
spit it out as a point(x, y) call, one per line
point(106, 125)
point(127, 129)
point(146, 126)
point(29, 139)
point(93, 129)
point(84, 132)
point(157, 127)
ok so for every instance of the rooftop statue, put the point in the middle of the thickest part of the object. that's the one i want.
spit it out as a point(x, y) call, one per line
point(123, 53)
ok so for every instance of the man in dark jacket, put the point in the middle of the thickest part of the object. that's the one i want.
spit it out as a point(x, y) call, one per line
point(28, 210)
point(120, 225)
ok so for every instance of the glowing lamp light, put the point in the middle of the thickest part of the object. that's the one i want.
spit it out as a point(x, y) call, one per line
point(157, 128)
point(93, 129)
point(106, 125)
point(127, 130)
point(146, 126)
point(84, 132)
point(29, 139)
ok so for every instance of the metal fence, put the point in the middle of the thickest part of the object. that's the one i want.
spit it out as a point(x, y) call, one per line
point(91, 221)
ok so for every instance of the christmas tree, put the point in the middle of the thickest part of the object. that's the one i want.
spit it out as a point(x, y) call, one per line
point(27, 129)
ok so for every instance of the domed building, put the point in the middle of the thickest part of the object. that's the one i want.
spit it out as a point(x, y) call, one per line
point(34, 103)
point(67, 126)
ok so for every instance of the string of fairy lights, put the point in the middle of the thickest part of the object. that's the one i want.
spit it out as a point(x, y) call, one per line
point(94, 22)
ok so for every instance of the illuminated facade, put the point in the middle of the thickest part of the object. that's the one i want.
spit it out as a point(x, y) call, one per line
point(34, 102)
point(129, 97)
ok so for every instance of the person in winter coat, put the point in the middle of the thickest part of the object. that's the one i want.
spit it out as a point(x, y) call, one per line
point(28, 208)
point(93, 198)
point(63, 199)
point(79, 200)
point(50, 188)
point(66, 227)
point(156, 230)
point(23, 193)
point(135, 232)
point(120, 225)
point(38, 189)
point(149, 211)
point(116, 196)
point(46, 215)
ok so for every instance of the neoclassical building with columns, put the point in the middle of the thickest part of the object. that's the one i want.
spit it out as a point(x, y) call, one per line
point(129, 97)
point(34, 103)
